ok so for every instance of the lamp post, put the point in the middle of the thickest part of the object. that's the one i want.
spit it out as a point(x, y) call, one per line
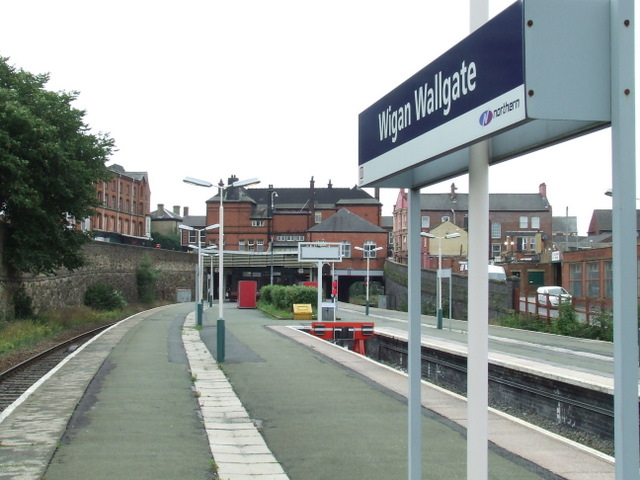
point(220, 325)
point(368, 253)
point(448, 235)
point(199, 284)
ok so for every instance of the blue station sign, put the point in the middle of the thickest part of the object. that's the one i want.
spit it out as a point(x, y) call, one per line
point(476, 90)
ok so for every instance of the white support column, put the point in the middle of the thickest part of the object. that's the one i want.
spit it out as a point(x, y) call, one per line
point(478, 338)
point(415, 359)
point(625, 258)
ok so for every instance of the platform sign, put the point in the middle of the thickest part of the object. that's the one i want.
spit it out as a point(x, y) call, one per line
point(319, 252)
point(508, 81)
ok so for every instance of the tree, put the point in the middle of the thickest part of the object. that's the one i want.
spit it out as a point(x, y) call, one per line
point(167, 242)
point(49, 165)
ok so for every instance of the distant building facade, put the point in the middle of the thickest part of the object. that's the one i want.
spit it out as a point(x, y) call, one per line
point(270, 223)
point(123, 216)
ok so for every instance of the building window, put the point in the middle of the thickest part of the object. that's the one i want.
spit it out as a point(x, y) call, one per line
point(445, 218)
point(346, 249)
point(241, 246)
point(496, 249)
point(575, 279)
point(369, 249)
point(524, 222)
point(250, 246)
point(535, 222)
point(192, 237)
point(426, 221)
point(496, 230)
point(260, 246)
point(318, 217)
point(593, 279)
point(257, 223)
point(608, 278)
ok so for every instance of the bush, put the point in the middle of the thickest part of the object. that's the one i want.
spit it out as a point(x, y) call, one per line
point(146, 279)
point(22, 304)
point(101, 296)
point(283, 298)
point(567, 321)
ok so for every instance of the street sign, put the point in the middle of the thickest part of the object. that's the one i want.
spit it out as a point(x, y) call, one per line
point(510, 82)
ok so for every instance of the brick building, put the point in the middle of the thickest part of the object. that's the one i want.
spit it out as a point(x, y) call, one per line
point(263, 227)
point(123, 216)
point(520, 232)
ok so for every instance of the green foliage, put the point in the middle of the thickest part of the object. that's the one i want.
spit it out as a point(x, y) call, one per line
point(49, 164)
point(567, 321)
point(104, 297)
point(146, 279)
point(24, 334)
point(167, 242)
point(283, 298)
point(22, 304)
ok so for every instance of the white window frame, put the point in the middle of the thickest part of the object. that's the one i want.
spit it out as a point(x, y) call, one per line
point(524, 222)
point(346, 249)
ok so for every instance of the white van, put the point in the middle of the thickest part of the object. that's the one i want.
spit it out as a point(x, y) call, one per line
point(497, 273)
point(554, 294)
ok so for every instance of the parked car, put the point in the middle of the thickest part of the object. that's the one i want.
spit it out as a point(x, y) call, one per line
point(554, 295)
point(497, 273)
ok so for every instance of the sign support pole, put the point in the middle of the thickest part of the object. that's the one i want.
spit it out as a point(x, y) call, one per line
point(414, 355)
point(478, 338)
point(625, 275)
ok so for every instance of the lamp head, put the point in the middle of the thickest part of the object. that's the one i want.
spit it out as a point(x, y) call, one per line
point(197, 182)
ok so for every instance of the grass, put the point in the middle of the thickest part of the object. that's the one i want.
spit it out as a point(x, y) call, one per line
point(271, 310)
point(23, 335)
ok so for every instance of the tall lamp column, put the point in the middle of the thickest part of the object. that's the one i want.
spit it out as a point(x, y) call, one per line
point(220, 325)
point(199, 283)
point(368, 252)
point(449, 235)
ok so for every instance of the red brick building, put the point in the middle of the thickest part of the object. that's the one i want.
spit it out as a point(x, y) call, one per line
point(265, 226)
point(123, 216)
point(520, 223)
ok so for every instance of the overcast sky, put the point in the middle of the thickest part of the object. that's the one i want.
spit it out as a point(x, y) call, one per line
point(267, 89)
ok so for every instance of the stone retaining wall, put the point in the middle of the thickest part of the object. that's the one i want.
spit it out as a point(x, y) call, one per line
point(109, 263)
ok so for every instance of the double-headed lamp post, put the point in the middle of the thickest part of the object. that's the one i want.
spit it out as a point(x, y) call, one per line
point(448, 235)
point(199, 284)
point(220, 325)
point(368, 253)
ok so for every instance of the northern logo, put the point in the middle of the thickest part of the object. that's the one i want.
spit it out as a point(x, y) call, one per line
point(486, 117)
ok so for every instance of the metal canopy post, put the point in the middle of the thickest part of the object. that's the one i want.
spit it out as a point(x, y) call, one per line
point(625, 258)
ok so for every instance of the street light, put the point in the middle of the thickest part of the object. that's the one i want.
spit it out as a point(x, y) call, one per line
point(220, 326)
point(199, 275)
point(367, 252)
point(448, 235)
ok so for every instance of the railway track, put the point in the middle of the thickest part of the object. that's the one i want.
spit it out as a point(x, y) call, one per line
point(19, 378)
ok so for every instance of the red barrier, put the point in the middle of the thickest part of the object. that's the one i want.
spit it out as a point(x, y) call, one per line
point(357, 332)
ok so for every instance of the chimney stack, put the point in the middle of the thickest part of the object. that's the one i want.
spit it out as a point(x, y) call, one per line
point(176, 209)
point(186, 212)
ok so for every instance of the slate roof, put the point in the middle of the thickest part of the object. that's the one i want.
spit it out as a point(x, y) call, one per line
point(135, 175)
point(604, 220)
point(510, 202)
point(164, 214)
point(346, 221)
point(296, 199)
